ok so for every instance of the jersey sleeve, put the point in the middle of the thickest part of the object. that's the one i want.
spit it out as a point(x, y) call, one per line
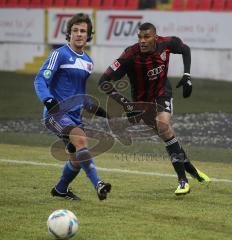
point(176, 45)
point(118, 68)
point(45, 75)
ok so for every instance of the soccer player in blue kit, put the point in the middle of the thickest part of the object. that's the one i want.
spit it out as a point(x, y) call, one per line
point(63, 75)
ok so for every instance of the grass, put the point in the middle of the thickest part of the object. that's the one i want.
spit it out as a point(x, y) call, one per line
point(19, 101)
point(139, 207)
point(143, 152)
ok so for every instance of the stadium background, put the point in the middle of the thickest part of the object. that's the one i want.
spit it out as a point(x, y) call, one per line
point(29, 30)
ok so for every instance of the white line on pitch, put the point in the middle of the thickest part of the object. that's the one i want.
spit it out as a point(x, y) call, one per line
point(105, 169)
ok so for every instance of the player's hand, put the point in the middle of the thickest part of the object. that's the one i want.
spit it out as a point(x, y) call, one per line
point(52, 105)
point(134, 116)
point(187, 85)
point(102, 113)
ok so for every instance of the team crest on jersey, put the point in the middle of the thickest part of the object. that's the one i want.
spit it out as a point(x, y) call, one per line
point(163, 56)
point(66, 119)
point(89, 66)
point(115, 65)
point(47, 73)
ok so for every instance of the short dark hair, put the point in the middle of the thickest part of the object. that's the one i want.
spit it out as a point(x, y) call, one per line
point(146, 26)
point(80, 18)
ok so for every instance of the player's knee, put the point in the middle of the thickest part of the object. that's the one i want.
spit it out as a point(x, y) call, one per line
point(163, 128)
point(75, 163)
point(81, 142)
point(78, 138)
point(164, 131)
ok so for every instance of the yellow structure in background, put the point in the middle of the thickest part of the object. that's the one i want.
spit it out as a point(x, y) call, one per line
point(34, 66)
point(164, 6)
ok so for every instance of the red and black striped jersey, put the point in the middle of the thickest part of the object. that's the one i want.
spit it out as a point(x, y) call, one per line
point(147, 72)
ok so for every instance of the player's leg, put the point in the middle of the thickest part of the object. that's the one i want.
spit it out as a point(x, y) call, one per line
point(194, 172)
point(57, 125)
point(79, 139)
point(174, 149)
point(165, 105)
point(70, 171)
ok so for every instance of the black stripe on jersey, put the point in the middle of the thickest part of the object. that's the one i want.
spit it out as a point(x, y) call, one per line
point(154, 85)
point(145, 64)
point(136, 79)
point(150, 64)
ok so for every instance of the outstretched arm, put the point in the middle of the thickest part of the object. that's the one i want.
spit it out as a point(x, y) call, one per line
point(113, 73)
point(107, 86)
point(186, 55)
point(95, 109)
point(186, 79)
point(177, 46)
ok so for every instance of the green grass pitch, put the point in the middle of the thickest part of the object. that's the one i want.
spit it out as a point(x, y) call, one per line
point(140, 206)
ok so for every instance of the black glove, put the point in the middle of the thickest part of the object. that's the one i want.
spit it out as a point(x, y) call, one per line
point(102, 113)
point(187, 85)
point(134, 116)
point(52, 105)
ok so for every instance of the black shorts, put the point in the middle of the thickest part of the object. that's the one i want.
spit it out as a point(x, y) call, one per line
point(164, 104)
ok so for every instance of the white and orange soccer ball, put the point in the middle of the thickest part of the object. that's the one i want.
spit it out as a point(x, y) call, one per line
point(62, 224)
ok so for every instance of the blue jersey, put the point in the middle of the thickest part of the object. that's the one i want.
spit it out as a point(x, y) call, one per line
point(62, 77)
point(63, 74)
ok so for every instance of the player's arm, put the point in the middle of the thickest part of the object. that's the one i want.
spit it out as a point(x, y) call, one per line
point(115, 72)
point(43, 80)
point(178, 47)
point(91, 107)
point(107, 86)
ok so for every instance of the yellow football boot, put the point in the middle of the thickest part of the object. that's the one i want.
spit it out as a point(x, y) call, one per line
point(204, 179)
point(183, 188)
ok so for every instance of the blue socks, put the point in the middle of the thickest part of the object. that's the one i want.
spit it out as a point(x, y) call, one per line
point(86, 162)
point(69, 173)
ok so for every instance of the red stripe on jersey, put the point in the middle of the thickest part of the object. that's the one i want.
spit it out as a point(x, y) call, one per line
point(152, 83)
point(130, 51)
point(139, 79)
point(160, 84)
point(163, 39)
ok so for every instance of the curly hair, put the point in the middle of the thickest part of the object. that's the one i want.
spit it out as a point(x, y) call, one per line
point(80, 18)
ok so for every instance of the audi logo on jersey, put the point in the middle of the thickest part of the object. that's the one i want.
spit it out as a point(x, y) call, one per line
point(152, 74)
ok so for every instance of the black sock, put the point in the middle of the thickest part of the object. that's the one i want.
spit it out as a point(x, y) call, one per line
point(177, 157)
point(189, 167)
point(192, 170)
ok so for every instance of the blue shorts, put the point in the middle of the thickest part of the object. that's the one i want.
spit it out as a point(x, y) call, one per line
point(61, 125)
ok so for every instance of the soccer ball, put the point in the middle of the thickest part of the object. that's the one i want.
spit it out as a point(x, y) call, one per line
point(62, 224)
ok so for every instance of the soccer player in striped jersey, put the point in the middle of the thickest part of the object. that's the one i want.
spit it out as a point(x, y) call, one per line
point(146, 65)
point(60, 85)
